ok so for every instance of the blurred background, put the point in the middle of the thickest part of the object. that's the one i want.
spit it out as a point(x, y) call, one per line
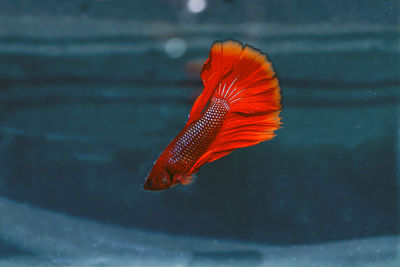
point(91, 92)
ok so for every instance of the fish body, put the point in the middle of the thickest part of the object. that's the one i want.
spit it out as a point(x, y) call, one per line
point(239, 107)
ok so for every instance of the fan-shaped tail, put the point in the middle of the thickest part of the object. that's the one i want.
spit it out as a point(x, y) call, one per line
point(245, 79)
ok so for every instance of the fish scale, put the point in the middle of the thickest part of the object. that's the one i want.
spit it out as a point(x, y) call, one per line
point(194, 141)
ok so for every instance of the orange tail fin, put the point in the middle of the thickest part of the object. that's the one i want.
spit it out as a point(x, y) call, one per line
point(244, 77)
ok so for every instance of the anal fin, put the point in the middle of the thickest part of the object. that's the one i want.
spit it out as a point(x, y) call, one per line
point(187, 180)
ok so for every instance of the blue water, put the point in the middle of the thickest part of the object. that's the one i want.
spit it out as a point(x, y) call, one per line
point(92, 91)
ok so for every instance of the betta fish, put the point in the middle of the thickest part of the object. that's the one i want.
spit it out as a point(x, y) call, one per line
point(239, 107)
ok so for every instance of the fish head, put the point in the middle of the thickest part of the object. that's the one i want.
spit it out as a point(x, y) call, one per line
point(160, 178)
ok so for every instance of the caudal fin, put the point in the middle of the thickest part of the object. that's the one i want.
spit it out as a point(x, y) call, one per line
point(244, 78)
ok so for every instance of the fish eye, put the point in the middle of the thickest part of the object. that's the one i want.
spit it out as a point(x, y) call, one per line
point(148, 185)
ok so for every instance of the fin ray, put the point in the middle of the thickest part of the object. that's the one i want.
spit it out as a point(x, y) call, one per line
point(187, 180)
point(251, 89)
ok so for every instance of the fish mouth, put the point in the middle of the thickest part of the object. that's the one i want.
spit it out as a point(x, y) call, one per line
point(148, 185)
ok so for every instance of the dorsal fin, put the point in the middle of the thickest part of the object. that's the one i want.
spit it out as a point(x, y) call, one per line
point(219, 64)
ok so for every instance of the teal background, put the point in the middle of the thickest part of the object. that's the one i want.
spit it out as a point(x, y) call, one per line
point(89, 98)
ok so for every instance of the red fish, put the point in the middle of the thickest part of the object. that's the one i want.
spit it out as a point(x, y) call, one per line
point(239, 107)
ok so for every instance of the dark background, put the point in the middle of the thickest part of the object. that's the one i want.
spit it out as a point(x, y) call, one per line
point(89, 97)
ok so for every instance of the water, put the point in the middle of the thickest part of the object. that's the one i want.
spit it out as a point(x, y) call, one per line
point(92, 91)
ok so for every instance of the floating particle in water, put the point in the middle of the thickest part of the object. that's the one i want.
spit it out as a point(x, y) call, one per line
point(196, 6)
point(175, 47)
